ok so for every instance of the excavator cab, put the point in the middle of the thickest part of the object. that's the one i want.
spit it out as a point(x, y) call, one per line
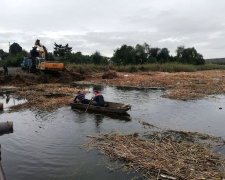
point(38, 63)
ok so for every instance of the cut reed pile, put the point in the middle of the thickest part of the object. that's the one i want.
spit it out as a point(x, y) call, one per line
point(161, 156)
point(27, 79)
point(45, 97)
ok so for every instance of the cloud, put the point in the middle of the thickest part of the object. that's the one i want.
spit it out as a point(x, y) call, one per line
point(171, 39)
point(105, 25)
point(218, 34)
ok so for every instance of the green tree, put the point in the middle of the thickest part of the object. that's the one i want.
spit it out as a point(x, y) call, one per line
point(154, 53)
point(189, 56)
point(3, 54)
point(96, 58)
point(78, 57)
point(140, 54)
point(15, 48)
point(163, 55)
point(50, 56)
point(61, 51)
point(15, 60)
point(124, 55)
point(75, 57)
point(147, 48)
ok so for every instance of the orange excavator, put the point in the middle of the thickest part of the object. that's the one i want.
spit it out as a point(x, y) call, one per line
point(41, 59)
point(38, 61)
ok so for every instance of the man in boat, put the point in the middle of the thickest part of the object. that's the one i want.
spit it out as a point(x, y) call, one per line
point(99, 99)
point(81, 97)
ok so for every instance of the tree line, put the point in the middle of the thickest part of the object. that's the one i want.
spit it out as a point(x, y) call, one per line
point(124, 55)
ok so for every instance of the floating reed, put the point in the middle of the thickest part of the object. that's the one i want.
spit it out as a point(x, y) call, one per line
point(163, 157)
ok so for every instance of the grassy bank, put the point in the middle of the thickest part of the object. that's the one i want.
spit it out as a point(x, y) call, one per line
point(167, 67)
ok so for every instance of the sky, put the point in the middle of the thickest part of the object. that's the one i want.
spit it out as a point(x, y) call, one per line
point(105, 25)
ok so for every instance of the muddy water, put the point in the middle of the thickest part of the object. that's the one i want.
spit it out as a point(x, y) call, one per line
point(47, 145)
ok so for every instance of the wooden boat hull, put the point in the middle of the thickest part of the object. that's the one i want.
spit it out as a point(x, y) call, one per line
point(110, 107)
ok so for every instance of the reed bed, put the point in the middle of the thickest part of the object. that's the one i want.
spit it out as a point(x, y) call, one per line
point(182, 85)
point(165, 67)
point(161, 156)
point(45, 97)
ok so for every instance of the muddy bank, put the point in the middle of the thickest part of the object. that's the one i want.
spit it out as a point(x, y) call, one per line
point(26, 79)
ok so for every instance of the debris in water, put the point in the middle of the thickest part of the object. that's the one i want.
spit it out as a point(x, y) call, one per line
point(162, 155)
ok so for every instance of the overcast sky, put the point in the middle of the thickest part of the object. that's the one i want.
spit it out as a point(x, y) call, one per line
point(105, 25)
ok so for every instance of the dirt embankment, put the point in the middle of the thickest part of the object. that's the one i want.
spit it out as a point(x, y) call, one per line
point(23, 78)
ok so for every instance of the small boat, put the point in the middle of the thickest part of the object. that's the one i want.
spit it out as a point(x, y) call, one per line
point(110, 107)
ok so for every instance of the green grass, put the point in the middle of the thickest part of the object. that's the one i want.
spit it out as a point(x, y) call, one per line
point(167, 67)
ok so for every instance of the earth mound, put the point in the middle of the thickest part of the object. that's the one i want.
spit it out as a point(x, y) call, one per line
point(110, 75)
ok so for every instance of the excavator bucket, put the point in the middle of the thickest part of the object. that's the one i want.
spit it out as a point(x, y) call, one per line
point(37, 42)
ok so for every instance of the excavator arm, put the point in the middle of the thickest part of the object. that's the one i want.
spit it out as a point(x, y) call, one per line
point(41, 48)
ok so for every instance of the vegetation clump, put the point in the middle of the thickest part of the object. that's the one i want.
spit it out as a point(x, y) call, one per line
point(109, 75)
point(45, 97)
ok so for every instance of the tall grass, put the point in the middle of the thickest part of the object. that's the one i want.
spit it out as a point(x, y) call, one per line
point(167, 67)
point(210, 66)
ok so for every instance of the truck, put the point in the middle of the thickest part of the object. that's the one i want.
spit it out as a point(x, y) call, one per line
point(38, 61)
point(26, 64)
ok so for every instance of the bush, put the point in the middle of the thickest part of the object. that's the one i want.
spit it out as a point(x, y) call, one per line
point(15, 60)
point(132, 69)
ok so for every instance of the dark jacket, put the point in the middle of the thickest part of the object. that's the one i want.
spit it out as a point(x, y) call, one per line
point(81, 98)
point(99, 99)
point(5, 69)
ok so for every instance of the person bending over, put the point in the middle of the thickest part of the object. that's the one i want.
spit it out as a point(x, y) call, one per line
point(81, 97)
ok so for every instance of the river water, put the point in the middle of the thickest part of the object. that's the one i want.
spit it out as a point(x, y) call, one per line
point(46, 146)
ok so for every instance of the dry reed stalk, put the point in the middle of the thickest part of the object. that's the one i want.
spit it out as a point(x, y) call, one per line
point(37, 97)
point(161, 156)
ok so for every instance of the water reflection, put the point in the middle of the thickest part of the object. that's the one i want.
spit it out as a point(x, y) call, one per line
point(98, 120)
point(10, 99)
point(80, 115)
point(98, 87)
point(7, 98)
point(131, 88)
point(89, 87)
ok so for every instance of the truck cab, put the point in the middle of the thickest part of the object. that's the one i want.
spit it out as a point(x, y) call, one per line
point(26, 64)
